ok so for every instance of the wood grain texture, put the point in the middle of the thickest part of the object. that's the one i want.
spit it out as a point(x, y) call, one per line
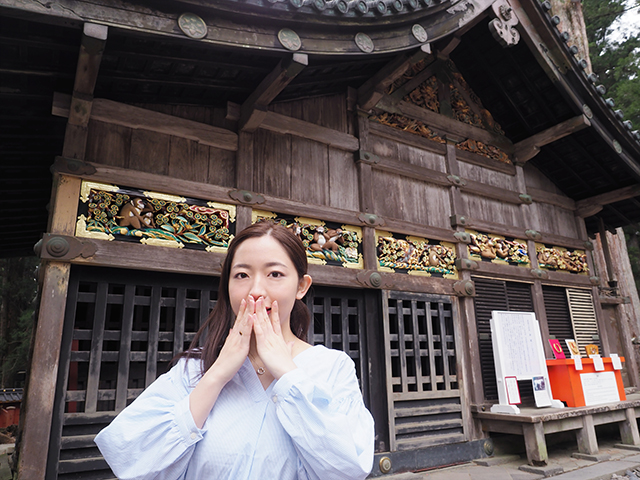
point(188, 160)
point(39, 400)
point(149, 152)
point(486, 209)
point(343, 180)
point(108, 144)
point(272, 164)
point(222, 167)
point(309, 171)
point(276, 122)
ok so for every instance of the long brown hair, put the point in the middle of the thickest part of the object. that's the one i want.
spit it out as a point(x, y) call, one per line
point(213, 333)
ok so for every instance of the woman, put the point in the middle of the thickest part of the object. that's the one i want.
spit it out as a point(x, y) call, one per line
point(255, 401)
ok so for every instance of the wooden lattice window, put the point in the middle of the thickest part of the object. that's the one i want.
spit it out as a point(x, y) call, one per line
point(338, 323)
point(121, 331)
point(423, 385)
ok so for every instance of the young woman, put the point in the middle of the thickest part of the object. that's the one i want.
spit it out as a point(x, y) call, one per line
point(255, 401)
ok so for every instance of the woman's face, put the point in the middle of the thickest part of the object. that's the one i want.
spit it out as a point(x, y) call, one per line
point(261, 267)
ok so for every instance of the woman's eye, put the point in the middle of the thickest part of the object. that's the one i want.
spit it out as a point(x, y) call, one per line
point(276, 274)
point(241, 275)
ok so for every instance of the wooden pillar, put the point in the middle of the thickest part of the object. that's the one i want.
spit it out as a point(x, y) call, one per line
point(39, 398)
point(365, 190)
point(244, 176)
point(468, 359)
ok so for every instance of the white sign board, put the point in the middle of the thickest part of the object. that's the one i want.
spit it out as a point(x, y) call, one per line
point(599, 387)
point(518, 352)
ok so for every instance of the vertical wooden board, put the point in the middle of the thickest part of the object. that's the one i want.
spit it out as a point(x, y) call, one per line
point(190, 112)
point(488, 210)
point(108, 144)
point(417, 156)
point(489, 177)
point(222, 167)
point(309, 171)
point(188, 160)
point(149, 152)
point(343, 180)
point(272, 163)
point(434, 205)
point(388, 198)
point(534, 178)
point(383, 147)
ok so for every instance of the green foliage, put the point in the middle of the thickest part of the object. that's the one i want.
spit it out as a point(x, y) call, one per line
point(615, 61)
point(18, 288)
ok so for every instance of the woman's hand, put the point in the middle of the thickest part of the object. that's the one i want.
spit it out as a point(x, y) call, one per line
point(231, 357)
point(273, 349)
point(236, 346)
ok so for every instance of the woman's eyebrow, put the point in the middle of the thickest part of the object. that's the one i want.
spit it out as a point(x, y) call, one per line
point(267, 265)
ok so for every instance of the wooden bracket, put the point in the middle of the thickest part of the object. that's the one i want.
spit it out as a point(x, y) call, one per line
point(246, 197)
point(71, 166)
point(373, 89)
point(526, 199)
point(456, 180)
point(463, 237)
point(466, 264)
point(366, 157)
point(591, 206)
point(526, 149)
point(63, 247)
point(371, 279)
point(253, 110)
point(539, 273)
point(458, 220)
point(371, 220)
point(533, 235)
point(465, 288)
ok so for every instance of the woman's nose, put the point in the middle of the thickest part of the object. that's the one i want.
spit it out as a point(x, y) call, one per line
point(257, 289)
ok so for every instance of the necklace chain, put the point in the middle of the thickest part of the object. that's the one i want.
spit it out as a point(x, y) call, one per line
point(260, 370)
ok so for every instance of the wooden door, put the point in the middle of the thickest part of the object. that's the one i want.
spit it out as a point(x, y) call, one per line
point(424, 391)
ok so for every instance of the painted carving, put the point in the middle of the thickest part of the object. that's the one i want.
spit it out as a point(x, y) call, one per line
point(426, 95)
point(503, 26)
point(110, 212)
point(327, 243)
point(558, 258)
point(498, 249)
point(479, 148)
point(408, 125)
point(414, 255)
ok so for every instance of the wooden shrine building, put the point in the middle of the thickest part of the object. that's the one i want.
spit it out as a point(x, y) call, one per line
point(440, 159)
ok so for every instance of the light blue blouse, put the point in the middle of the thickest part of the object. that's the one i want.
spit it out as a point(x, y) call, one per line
point(311, 424)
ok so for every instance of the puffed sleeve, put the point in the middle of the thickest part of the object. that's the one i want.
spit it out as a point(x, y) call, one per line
point(331, 429)
point(154, 437)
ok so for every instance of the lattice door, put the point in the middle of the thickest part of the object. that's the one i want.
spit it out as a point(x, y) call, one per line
point(338, 323)
point(423, 383)
point(122, 328)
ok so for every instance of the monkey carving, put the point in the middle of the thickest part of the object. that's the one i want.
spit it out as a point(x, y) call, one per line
point(326, 239)
point(132, 214)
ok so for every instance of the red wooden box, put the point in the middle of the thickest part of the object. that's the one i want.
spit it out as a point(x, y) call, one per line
point(565, 379)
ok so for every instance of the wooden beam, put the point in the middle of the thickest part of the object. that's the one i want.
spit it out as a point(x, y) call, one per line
point(448, 125)
point(373, 89)
point(94, 38)
point(283, 124)
point(530, 147)
point(252, 110)
point(591, 206)
point(135, 117)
